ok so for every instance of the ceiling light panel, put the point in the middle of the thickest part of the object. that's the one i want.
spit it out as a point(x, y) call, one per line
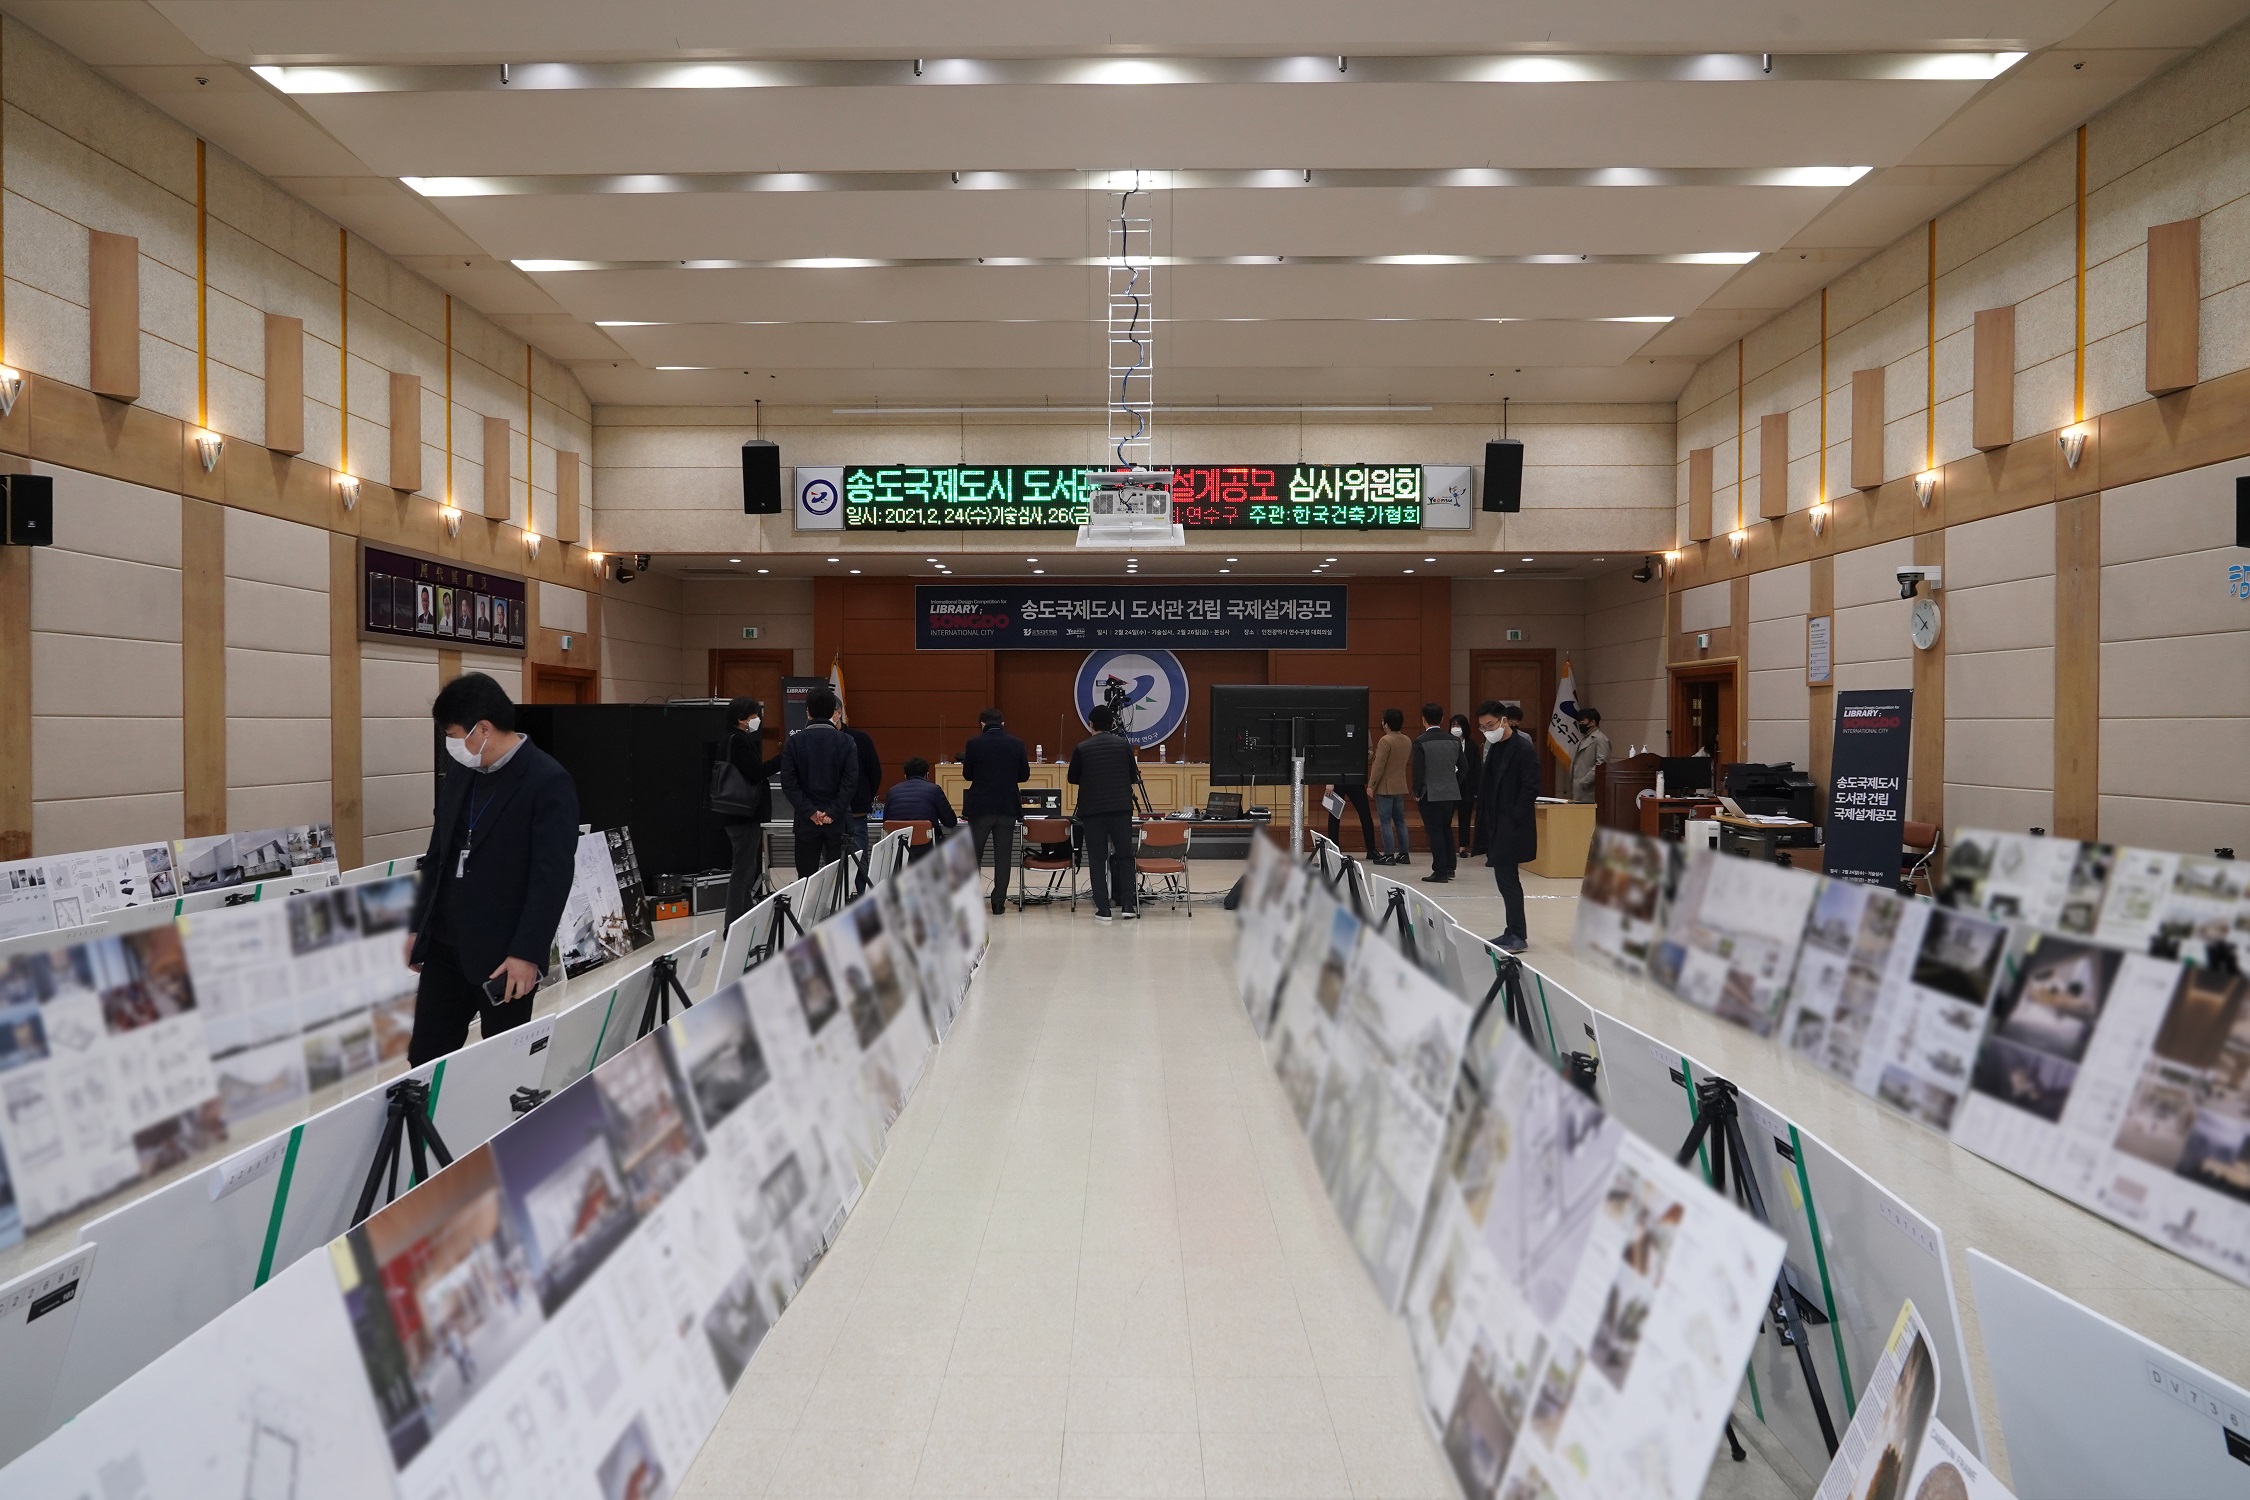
point(1143, 72)
point(640, 184)
point(547, 267)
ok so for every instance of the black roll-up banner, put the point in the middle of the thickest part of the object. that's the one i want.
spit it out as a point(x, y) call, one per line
point(1867, 786)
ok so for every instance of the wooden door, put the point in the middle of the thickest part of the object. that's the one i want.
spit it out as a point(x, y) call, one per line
point(754, 674)
point(1705, 702)
point(1524, 677)
point(562, 684)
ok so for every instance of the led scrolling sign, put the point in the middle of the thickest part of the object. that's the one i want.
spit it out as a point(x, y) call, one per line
point(1205, 497)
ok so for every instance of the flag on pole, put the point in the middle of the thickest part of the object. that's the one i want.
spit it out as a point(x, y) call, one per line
point(1562, 725)
point(836, 682)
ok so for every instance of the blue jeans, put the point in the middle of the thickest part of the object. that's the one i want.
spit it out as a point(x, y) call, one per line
point(1390, 823)
point(855, 832)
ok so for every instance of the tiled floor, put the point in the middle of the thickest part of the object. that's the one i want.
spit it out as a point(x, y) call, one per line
point(1096, 1262)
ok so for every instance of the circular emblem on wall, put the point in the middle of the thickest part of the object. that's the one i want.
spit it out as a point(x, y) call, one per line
point(1154, 685)
point(819, 497)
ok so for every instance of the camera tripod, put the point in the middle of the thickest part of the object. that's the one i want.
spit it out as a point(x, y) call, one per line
point(1718, 1120)
point(1396, 912)
point(406, 1123)
point(663, 985)
point(772, 943)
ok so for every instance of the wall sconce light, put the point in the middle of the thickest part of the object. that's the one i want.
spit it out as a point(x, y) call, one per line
point(347, 490)
point(208, 447)
point(452, 520)
point(1819, 517)
point(1735, 539)
point(2073, 440)
point(531, 544)
point(1925, 485)
point(1672, 561)
point(11, 386)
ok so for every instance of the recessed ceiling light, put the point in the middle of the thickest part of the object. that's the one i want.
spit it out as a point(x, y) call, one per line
point(1499, 570)
point(734, 559)
point(1406, 570)
point(1031, 559)
point(835, 559)
point(929, 559)
point(855, 572)
point(1529, 559)
point(1327, 560)
point(765, 570)
point(1226, 570)
point(1038, 570)
point(1429, 559)
point(1234, 559)
point(1601, 559)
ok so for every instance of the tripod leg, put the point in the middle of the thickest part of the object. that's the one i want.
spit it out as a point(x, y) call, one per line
point(386, 1152)
point(1734, 1444)
point(1784, 1304)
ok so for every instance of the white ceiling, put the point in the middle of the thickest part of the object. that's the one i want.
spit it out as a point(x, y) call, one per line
point(1586, 161)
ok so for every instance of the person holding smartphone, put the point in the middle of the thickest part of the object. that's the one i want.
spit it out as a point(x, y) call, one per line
point(502, 852)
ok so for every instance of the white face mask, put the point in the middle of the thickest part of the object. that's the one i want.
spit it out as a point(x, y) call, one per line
point(1494, 736)
point(1457, 731)
point(750, 725)
point(460, 751)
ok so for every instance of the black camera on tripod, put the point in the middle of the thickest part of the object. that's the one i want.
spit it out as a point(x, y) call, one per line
point(1116, 696)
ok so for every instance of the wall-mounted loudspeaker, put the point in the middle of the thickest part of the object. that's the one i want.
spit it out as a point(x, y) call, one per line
point(1503, 474)
point(761, 478)
point(27, 510)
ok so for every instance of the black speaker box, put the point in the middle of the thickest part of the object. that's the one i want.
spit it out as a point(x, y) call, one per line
point(29, 500)
point(761, 478)
point(1503, 474)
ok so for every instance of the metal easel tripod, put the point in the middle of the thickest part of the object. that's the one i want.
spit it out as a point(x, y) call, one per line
point(772, 944)
point(406, 1123)
point(663, 985)
point(1719, 1120)
point(1396, 912)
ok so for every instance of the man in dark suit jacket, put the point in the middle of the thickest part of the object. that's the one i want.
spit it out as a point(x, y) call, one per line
point(1507, 830)
point(870, 779)
point(995, 767)
point(1105, 769)
point(820, 777)
point(496, 875)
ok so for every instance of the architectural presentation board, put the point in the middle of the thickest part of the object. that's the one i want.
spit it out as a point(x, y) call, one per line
point(1891, 995)
point(56, 892)
point(565, 1306)
point(1855, 1249)
point(1428, 924)
point(299, 994)
point(1621, 901)
point(38, 1318)
point(595, 926)
point(2093, 1411)
point(104, 1073)
point(1582, 1306)
point(2122, 1082)
point(2142, 900)
point(1896, 1444)
point(1731, 935)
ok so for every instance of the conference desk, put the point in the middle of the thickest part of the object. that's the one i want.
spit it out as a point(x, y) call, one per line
point(1172, 785)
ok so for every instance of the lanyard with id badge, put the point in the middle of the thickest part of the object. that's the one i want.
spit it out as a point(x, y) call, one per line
point(469, 835)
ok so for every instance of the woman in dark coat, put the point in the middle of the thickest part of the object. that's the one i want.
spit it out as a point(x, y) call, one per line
point(1472, 772)
point(746, 833)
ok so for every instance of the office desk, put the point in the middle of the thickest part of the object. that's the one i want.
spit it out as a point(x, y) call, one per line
point(1171, 785)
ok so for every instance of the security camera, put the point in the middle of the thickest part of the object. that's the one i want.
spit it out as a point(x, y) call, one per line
point(1646, 571)
point(640, 560)
point(623, 571)
point(1915, 575)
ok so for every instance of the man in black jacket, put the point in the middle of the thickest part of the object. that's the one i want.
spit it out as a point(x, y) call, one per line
point(870, 779)
point(820, 777)
point(746, 830)
point(1437, 788)
point(995, 767)
point(494, 879)
point(1507, 828)
point(1104, 769)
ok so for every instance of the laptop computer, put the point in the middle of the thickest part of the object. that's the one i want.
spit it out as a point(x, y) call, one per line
point(1226, 805)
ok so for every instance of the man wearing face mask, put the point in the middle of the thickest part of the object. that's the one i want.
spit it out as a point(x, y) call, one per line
point(497, 872)
point(746, 830)
point(1507, 827)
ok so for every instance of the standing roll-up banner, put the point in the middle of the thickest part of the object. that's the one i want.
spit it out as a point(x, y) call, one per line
point(1867, 785)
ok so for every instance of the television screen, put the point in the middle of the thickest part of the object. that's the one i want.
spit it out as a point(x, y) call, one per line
point(1252, 726)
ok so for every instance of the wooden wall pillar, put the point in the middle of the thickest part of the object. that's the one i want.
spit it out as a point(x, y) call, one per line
point(2078, 667)
point(2175, 306)
point(203, 666)
point(496, 476)
point(113, 315)
point(1699, 495)
point(285, 384)
point(1928, 756)
point(1867, 429)
point(1992, 390)
point(1773, 465)
point(1821, 708)
point(346, 728)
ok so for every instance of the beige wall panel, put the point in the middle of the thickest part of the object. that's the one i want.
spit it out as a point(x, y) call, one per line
point(397, 686)
point(1780, 694)
point(104, 757)
point(396, 747)
point(1873, 632)
point(1874, 676)
point(398, 804)
point(276, 685)
point(2157, 677)
point(2000, 752)
point(1707, 607)
point(2184, 824)
point(1778, 643)
point(2000, 616)
point(279, 806)
point(2165, 596)
point(2186, 512)
point(2192, 759)
point(561, 608)
point(2013, 809)
point(111, 518)
point(1779, 593)
point(2020, 544)
point(2001, 685)
point(1869, 575)
point(270, 617)
point(270, 550)
point(104, 822)
point(505, 670)
point(76, 593)
point(91, 676)
point(1775, 741)
point(276, 752)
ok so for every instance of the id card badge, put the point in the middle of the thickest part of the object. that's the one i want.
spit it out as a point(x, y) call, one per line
point(461, 865)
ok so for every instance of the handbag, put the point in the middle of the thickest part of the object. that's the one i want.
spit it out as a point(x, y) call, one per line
point(732, 795)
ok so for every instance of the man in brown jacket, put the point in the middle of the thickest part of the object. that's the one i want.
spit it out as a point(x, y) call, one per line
point(1391, 779)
